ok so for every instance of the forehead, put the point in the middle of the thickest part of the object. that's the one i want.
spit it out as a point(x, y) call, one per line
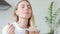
point(24, 3)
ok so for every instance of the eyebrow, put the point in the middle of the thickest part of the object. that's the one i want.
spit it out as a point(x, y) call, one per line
point(27, 5)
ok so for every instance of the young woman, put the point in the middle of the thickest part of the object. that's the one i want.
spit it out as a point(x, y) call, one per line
point(24, 19)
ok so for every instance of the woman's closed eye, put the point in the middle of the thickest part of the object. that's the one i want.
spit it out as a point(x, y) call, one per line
point(22, 7)
point(29, 7)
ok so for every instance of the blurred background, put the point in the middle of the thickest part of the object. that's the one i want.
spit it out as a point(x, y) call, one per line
point(40, 10)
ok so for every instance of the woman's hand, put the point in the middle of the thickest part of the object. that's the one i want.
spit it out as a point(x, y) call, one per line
point(33, 30)
point(11, 29)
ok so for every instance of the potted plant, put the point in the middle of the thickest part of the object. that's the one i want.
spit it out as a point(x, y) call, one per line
point(51, 18)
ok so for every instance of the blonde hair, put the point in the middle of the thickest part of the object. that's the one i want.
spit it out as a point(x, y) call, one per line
point(30, 20)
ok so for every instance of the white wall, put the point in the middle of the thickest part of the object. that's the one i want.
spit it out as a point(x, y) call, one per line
point(40, 9)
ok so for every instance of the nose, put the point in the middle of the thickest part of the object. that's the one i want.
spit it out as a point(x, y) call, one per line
point(26, 7)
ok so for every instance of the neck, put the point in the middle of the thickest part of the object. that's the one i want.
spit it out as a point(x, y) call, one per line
point(23, 22)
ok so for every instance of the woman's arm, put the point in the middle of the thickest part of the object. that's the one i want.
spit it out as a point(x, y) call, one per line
point(11, 29)
point(33, 30)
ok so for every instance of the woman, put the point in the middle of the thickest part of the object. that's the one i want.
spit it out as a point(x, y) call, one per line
point(24, 19)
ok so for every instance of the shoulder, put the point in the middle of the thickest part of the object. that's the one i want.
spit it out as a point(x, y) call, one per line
point(5, 27)
point(4, 30)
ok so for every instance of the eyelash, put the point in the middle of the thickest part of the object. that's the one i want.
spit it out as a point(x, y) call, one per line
point(28, 7)
point(22, 7)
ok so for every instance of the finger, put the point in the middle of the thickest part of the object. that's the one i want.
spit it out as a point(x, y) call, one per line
point(10, 25)
point(31, 32)
point(11, 29)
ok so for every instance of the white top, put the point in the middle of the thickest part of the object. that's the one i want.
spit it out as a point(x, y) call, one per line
point(18, 30)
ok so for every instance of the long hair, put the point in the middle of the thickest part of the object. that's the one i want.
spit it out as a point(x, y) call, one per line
point(30, 20)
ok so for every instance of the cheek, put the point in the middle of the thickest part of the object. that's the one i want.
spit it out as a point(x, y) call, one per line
point(27, 15)
point(30, 12)
point(18, 12)
point(21, 13)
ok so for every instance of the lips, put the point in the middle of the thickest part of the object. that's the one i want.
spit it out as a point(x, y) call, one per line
point(26, 13)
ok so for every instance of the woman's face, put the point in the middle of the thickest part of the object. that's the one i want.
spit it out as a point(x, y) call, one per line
point(24, 10)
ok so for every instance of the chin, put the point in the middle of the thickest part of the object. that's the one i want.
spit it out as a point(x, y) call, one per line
point(26, 17)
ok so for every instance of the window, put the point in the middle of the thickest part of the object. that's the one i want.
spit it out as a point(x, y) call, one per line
point(4, 5)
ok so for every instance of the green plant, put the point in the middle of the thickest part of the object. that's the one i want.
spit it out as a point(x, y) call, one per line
point(52, 17)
